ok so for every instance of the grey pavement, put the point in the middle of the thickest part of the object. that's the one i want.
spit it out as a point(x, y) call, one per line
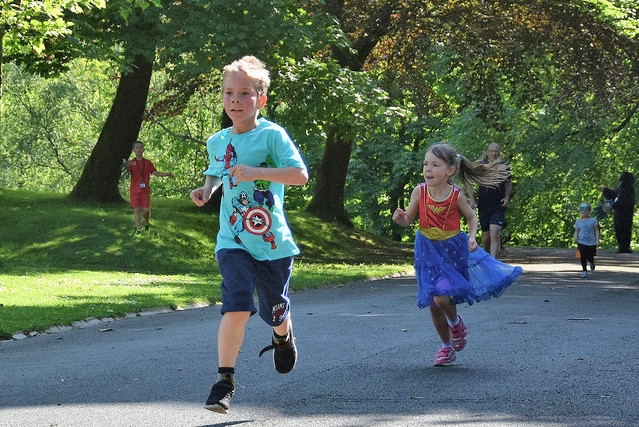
point(554, 350)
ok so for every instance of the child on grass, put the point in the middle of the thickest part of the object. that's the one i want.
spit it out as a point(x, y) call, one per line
point(141, 169)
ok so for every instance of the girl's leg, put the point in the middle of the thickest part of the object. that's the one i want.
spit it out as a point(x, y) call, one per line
point(441, 324)
point(441, 311)
point(590, 256)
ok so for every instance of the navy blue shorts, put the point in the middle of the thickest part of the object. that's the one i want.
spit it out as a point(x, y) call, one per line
point(496, 216)
point(242, 275)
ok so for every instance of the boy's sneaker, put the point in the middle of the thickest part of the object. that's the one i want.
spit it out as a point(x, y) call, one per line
point(147, 226)
point(584, 274)
point(592, 265)
point(220, 397)
point(458, 335)
point(284, 354)
point(137, 232)
point(444, 356)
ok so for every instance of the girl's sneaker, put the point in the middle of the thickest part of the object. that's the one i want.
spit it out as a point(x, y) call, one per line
point(445, 356)
point(458, 335)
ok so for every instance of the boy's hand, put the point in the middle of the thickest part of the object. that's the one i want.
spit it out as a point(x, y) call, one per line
point(241, 173)
point(472, 245)
point(200, 196)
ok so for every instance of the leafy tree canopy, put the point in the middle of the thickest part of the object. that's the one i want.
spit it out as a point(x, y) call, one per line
point(28, 26)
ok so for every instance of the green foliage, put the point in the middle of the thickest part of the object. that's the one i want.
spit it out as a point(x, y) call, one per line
point(28, 26)
point(319, 98)
point(553, 82)
point(51, 125)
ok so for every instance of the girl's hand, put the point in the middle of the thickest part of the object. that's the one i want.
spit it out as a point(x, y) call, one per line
point(472, 245)
point(399, 216)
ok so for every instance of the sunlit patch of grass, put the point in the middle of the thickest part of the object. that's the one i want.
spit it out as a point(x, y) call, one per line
point(63, 261)
point(317, 275)
point(36, 302)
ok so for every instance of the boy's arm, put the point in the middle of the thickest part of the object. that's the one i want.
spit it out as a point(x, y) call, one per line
point(157, 173)
point(287, 176)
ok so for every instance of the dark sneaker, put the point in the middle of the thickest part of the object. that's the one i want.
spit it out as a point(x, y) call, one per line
point(147, 226)
point(137, 232)
point(284, 354)
point(592, 265)
point(220, 397)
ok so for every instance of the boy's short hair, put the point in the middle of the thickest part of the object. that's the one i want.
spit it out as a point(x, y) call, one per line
point(252, 67)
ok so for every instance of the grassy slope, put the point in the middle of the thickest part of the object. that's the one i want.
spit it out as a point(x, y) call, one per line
point(62, 261)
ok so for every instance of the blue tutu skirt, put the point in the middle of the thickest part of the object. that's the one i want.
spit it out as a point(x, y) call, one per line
point(490, 277)
point(447, 268)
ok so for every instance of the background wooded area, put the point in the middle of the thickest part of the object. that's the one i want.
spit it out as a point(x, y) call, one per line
point(363, 87)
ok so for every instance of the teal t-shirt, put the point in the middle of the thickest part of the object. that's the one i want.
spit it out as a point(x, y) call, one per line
point(252, 213)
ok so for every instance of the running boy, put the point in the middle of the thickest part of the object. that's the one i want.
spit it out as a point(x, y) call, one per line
point(252, 160)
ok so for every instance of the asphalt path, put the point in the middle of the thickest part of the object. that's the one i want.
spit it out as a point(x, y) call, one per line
point(554, 350)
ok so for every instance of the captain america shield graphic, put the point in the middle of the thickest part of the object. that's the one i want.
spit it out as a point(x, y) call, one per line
point(257, 220)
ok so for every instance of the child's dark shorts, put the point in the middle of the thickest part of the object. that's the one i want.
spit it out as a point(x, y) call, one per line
point(242, 275)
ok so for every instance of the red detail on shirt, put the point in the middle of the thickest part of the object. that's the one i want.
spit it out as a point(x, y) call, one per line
point(443, 215)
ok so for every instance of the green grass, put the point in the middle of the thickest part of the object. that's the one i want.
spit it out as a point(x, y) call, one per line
point(63, 261)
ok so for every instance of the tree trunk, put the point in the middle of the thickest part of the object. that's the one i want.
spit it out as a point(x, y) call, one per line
point(101, 173)
point(330, 180)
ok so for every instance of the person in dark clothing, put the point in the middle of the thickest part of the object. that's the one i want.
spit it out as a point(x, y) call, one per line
point(492, 204)
point(623, 209)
